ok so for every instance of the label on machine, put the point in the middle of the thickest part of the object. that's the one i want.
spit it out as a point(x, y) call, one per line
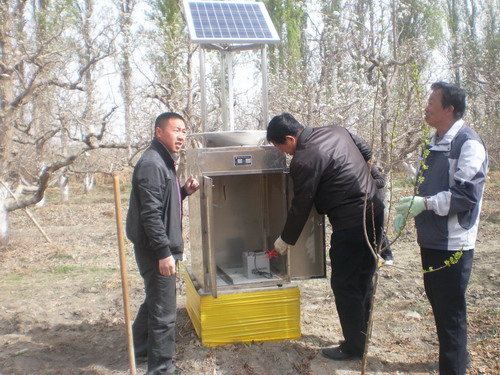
point(242, 160)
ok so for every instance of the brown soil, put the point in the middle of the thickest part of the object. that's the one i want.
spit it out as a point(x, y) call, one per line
point(61, 308)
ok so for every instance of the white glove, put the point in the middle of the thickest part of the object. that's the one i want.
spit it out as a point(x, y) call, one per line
point(280, 246)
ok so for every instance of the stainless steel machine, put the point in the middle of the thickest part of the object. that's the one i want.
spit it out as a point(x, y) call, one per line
point(240, 211)
point(234, 293)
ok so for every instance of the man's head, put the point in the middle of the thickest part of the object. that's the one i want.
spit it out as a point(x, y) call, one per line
point(170, 130)
point(283, 131)
point(445, 106)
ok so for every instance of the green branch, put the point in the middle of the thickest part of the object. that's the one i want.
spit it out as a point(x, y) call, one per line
point(455, 257)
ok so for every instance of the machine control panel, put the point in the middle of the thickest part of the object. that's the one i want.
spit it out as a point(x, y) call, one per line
point(243, 160)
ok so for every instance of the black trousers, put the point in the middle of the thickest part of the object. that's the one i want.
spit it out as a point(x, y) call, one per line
point(445, 290)
point(353, 267)
point(154, 325)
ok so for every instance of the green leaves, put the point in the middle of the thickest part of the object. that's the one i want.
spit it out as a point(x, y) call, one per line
point(455, 257)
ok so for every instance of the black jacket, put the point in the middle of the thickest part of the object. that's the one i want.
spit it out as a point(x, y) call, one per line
point(377, 173)
point(154, 214)
point(329, 171)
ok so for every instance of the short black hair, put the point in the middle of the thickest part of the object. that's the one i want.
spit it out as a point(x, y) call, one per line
point(452, 95)
point(162, 119)
point(282, 125)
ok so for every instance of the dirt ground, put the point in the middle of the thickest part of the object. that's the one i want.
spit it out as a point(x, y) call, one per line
point(61, 309)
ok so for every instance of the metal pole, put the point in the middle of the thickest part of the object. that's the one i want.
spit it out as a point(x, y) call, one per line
point(230, 91)
point(203, 90)
point(223, 89)
point(265, 100)
point(123, 270)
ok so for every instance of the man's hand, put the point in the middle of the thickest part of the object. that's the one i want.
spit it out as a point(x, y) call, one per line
point(280, 246)
point(414, 205)
point(191, 185)
point(167, 266)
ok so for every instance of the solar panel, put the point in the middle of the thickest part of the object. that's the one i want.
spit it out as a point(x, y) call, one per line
point(229, 22)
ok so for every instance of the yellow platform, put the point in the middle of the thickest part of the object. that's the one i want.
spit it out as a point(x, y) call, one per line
point(243, 316)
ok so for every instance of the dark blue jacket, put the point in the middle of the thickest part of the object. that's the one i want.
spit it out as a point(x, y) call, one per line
point(453, 182)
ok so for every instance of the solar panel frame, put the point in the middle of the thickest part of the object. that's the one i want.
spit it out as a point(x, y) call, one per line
point(229, 22)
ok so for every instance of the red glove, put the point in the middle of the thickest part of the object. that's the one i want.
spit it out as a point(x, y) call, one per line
point(280, 246)
point(270, 254)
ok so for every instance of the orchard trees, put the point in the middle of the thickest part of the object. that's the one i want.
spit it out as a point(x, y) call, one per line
point(48, 52)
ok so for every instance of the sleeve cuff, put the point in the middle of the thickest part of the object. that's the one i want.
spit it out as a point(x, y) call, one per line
point(163, 252)
point(431, 203)
point(184, 193)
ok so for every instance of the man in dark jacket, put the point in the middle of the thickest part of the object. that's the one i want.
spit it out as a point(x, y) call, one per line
point(154, 227)
point(329, 171)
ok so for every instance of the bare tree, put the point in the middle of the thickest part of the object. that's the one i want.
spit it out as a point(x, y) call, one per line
point(170, 58)
point(29, 70)
point(473, 62)
point(455, 45)
point(126, 8)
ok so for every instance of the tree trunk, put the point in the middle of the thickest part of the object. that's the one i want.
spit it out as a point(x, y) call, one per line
point(64, 188)
point(6, 88)
point(126, 23)
point(384, 122)
point(4, 218)
point(88, 182)
point(455, 45)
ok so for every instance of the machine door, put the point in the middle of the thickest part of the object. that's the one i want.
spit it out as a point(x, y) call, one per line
point(210, 266)
point(307, 259)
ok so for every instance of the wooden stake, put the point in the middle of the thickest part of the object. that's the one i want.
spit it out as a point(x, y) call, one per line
point(28, 212)
point(123, 270)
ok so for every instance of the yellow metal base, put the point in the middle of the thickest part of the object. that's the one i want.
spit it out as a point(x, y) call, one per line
point(267, 314)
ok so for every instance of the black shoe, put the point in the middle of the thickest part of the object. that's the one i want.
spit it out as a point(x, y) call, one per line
point(338, 355)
